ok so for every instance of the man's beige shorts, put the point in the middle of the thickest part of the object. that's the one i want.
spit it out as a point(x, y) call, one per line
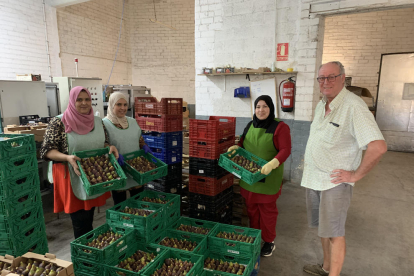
point(328, 209)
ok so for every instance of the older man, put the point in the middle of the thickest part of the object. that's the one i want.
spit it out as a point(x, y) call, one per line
point(342, 127)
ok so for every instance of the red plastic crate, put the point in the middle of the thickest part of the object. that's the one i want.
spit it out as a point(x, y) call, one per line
point(162, 123)
point(150, 105)
point(209, 186)
point(209, 149)
point(213, 129)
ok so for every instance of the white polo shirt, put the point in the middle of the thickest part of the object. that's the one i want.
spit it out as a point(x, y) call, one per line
point(337, 140)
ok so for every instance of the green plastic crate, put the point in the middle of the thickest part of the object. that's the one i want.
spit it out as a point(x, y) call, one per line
point(22, 220)
point(17, 164)
point(225, 246)
point(28, 180)
point(100, 188)
point(238, 170)
point(88, 268)
point(145, 227)
point(172, 208)
point(112, 269)
point(143, 178)
point(201, 241)
point(248, 262)
point(16, 144)
point(197, 260)
point(107, 254)
point(25, 200)
point(38, 246)
point(19, 240)
point(193, 222)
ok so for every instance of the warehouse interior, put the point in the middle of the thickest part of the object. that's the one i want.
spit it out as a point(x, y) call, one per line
point(207, 54)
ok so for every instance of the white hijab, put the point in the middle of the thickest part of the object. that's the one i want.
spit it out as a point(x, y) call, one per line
point(113, 99)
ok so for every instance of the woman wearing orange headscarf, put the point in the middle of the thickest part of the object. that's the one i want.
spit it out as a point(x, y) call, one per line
point(77, 129)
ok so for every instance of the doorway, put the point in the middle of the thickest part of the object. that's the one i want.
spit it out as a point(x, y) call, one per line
point(395, 101)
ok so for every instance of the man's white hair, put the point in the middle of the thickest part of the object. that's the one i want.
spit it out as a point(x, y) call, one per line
point(341, 67)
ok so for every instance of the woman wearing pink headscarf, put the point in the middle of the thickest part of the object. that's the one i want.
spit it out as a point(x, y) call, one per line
point(77, 129)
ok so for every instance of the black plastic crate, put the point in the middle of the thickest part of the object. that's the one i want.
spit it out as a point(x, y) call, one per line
point(25, 119)
point(206, 167)
point(212, 199)
point(174, 171)
point(172, 186)
point(224, 215)
point(199, 202)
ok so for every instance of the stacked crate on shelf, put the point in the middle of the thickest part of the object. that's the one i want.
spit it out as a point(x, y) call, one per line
point(22, 226)
point(162, 127)
point(210, 196)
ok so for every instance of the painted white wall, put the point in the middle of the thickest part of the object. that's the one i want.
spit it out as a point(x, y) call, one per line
point(358, 40)
point(162, 58)
point(89, 31)
point(22, 39)
point(53, 38)
point(244, 33)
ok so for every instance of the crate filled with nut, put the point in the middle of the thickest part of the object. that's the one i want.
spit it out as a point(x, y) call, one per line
point(195, 226)
point(146, 218)
point(143, 167)
point(102, 244)
point(100, 171)
point(243, 165)
point(170, 202)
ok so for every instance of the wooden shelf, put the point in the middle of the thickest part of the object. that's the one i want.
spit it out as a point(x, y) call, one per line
point(254, 73)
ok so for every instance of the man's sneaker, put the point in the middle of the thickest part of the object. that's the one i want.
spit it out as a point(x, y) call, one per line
point(315, 270)
point(267, 249)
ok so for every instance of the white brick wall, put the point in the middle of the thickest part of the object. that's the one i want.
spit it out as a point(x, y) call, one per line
point(53, 37)
point(22, 39)
point(358, 40)
point(89, 31)
point(162, 58)
point(244, 33)
point(248, 36)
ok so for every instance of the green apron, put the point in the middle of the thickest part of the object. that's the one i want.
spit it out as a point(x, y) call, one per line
point(95, 139)
point(125, 140)
point(260, 143)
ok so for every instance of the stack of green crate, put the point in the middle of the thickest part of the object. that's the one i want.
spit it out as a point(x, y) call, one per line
point(88, 260)
point(222, 247)
point(146, 227)
point(170, 202)
point(22, 226)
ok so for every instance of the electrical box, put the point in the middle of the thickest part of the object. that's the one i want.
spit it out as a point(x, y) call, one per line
point(18, 98)
point(94, 85)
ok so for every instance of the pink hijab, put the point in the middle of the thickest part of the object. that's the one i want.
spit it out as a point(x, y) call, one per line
point(72, 119)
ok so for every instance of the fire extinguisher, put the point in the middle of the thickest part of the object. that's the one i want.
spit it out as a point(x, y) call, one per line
point(287, 95)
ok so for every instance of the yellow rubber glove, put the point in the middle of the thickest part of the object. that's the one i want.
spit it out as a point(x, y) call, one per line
point(271, 165)
point(233, 148)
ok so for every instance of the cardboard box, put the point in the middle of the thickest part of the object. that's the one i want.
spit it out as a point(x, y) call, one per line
point(49, 258)
point(186, 124)
point(6, 259)
point(29, 77)
point(38, 131)
point(259, 70)
point(186, 145)
point(186, 112)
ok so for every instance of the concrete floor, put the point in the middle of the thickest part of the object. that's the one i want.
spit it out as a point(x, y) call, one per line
point(379, 231)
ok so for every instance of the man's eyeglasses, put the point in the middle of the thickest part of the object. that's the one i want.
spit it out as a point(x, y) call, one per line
point(330, 78)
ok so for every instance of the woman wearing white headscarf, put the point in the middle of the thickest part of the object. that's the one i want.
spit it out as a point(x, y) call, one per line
point(125, 134)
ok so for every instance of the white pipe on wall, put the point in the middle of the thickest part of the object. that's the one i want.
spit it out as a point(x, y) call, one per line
point(47, 42)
